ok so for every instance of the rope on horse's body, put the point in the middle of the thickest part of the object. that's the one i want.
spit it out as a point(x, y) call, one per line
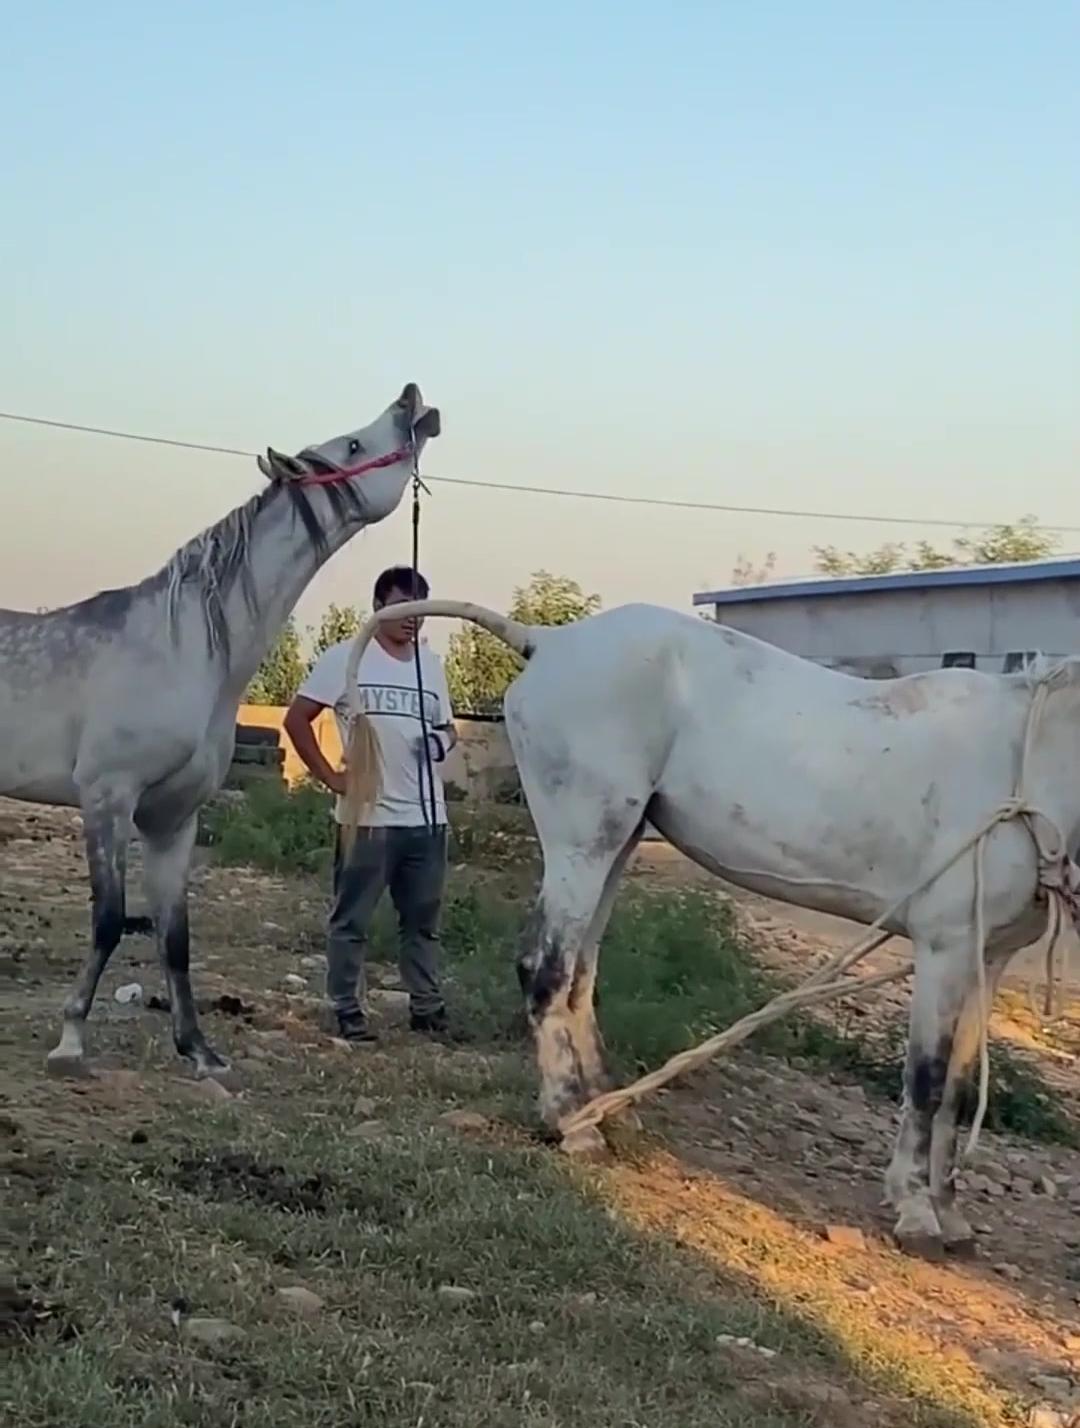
point(828, 982)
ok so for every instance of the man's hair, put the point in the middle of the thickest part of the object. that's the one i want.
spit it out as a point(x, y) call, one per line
point(402, 578)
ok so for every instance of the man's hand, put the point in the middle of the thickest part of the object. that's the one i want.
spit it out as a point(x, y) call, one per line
point(436, 744)
point(335, 781)
point(299, 725)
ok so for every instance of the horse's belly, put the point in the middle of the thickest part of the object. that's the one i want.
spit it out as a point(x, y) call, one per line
point(842, 847)
point(37, 760)
point(842, 889)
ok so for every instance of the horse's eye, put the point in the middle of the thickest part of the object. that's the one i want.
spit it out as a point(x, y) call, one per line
point(354, 447)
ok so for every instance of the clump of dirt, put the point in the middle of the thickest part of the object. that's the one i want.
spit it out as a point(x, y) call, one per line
point(23, 1315)
point(226, 1004)
point(37, 1172)
point(233, 1175)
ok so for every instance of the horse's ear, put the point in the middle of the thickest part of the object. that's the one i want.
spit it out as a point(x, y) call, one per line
point(276, 467)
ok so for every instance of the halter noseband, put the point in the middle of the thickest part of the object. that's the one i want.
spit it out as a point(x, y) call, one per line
point(346, 473)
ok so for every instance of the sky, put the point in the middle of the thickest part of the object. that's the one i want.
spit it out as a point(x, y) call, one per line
point(821, 257)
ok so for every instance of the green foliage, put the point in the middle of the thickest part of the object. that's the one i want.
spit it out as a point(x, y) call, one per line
point(285, 666)
point(745, 572)
point(339, 622)
point(282, 671)
point(480, 669)
point(282, 830)
point(1007, 544)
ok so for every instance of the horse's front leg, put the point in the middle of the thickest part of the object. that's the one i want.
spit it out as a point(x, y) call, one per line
point(106, 813)
point(166, 869)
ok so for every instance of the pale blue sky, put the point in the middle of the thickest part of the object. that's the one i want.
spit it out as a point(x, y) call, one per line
point(775, 253)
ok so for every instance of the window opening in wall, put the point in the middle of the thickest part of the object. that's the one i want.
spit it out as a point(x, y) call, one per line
point(1017, 660)
point(958, 659)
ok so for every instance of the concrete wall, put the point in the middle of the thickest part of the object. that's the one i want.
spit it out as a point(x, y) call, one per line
point(480, 766)
point(890, 632)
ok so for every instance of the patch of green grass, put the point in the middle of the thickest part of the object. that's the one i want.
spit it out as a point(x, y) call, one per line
point(464, 1284)
point(673, 968)
point(269, 826)
point(290, 830)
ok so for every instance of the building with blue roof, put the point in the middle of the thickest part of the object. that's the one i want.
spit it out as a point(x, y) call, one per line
point(982, 616)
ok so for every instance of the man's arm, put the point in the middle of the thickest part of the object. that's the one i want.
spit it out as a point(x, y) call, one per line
point(320, 690)
point(445, 729)
point(299, 724)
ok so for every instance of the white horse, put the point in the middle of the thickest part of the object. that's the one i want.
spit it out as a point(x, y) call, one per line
point(807, 785)
point(125, 705)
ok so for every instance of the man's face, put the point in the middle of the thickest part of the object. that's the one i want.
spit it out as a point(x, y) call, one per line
point(400, 632)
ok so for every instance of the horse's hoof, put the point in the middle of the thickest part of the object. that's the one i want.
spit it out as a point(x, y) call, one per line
point(919, 1245)
point(65, 1066)
point(957, 1235)
point(917, 1231)
point(209, 1064)
point(962, 1248)
point(586, 1144)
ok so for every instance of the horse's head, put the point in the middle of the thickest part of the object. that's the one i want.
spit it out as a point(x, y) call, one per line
point(376, 461)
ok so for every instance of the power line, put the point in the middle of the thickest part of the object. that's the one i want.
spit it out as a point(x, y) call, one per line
point(613, 498)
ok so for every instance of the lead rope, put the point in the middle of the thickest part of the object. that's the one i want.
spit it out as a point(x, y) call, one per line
point(424, 756)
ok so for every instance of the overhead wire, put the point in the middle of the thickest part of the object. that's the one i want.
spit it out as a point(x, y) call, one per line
point(611, 497)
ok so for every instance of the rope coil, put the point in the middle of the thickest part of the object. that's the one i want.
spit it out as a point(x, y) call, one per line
point(1058, 876)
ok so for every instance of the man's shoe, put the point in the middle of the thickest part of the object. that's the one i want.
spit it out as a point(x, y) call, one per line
point(430, 1023)
point(352, 1026)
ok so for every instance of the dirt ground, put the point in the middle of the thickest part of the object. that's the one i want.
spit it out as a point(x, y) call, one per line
point(769, 1175)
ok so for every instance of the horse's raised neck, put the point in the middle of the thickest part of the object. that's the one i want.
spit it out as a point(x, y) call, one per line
point(237, 581)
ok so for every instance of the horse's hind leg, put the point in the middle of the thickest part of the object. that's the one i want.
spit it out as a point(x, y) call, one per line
point(106, 833)
point(942, 983)
point(959, 1096)
point(558, 966)
point(583, 998)
point(166, 867)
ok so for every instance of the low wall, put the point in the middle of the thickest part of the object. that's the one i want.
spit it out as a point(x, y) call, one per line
point(480, 766)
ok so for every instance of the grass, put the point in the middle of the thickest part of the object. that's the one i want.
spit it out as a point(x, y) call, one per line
point(462, 1284)
point(678, 951)
point(466, 1276)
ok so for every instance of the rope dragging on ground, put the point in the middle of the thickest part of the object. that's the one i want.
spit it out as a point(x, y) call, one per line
point(829, 983)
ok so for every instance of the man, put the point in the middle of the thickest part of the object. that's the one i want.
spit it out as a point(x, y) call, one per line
point(398, 850)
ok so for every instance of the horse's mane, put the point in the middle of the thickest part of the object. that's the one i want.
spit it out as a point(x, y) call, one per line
point(217, 561)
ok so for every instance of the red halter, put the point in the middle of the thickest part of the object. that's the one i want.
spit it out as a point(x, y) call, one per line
point(346, 473)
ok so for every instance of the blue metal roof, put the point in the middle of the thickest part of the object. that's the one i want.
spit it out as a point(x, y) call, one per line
point(814, 586)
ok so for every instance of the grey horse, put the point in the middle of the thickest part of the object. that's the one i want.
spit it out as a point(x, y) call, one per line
point(125, 704)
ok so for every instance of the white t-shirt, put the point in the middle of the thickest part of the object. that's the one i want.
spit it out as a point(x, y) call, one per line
point(389, 696)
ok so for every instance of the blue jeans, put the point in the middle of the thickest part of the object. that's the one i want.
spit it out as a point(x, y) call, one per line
point(411, 862)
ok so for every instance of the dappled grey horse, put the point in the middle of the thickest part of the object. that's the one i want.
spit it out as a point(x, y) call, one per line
point(125, 704)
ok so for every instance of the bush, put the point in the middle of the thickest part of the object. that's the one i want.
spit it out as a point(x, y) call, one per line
point(272, 827)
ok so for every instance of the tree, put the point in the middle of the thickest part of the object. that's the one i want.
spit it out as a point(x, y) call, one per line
point(1006, 544)
point(480, 668)
point(282, 671)
point(285, 668)
point(746, 572)
point(339, 622)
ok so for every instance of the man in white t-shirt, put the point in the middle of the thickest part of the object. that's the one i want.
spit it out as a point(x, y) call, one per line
point(404, 846)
